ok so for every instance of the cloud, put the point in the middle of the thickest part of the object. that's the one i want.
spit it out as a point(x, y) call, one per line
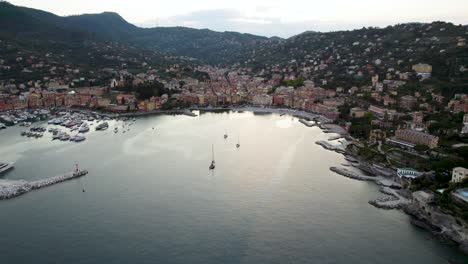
point(234, 20)
point(263, 22)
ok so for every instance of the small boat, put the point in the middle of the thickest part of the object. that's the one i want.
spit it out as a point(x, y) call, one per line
point(65, 137)
point(238, 143)
point(212, 165)
point(4, 166)
point(83, 128)
point(78, 138)
point(102, 126)
point(225, 136)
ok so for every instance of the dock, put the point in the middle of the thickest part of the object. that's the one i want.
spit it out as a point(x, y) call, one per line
point(188, 113)
point(307, 123)
point(10, 189)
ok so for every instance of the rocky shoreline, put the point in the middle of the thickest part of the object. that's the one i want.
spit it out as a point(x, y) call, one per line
point(430, 217)
point(423, 215)
point(392, 200)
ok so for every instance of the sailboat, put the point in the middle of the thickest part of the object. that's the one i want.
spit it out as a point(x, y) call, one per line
point(212, 166)
point(238, 142)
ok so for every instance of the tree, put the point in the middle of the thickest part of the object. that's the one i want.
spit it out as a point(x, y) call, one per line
point(421, 148)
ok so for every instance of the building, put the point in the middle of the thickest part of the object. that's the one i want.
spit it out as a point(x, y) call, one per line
point(357, 112)
point(408, 173)
point(377, 135)
point(460, 108)
point(459, 174)
point(423, 70)
point(418, 117)
point(408, 101)
point(262, 99)
point(379, 111)
point(417, 138)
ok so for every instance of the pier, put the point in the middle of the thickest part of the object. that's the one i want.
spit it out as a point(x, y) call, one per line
point(307, 123)
point(189, 113)
point(341, 148)
point(10, 189)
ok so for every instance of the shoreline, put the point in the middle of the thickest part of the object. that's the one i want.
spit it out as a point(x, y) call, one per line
point(320, 121)
point(426, 216)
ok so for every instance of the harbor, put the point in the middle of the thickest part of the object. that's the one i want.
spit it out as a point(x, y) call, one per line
point(157, 184)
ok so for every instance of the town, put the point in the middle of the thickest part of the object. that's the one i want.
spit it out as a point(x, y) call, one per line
point(399, 106)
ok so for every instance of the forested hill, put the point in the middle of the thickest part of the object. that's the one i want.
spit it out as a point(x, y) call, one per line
point(36, 26)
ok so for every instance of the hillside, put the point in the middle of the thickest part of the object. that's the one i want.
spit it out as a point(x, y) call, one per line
point(26, 24)
point(344, 52)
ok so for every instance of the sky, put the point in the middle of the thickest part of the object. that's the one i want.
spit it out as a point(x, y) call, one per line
point(283, 18)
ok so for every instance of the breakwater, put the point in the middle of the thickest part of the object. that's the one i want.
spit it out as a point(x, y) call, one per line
point(11, 189)
point(337, 148)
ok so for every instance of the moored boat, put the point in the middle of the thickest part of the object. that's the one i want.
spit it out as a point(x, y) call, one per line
point(212, 165)
point(4, 166)
point(102, 126)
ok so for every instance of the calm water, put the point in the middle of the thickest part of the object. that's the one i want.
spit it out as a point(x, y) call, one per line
point(151, 199)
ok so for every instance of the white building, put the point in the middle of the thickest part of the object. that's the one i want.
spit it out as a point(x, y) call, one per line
point(459, 174)
point(408, 173)
point(262, 99)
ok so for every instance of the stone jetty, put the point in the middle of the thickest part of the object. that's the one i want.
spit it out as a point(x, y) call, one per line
point(337, 148)
point(10, 189)
point(392, 200)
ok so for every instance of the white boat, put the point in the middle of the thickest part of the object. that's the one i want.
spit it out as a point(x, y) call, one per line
point(212, 165)
point(65, 137)
point(77, 138)
point(4, 166)
point(102, 126)
point(83, 128)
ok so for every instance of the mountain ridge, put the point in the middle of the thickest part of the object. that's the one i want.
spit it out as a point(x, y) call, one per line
point(36, 27)
point(202, 44)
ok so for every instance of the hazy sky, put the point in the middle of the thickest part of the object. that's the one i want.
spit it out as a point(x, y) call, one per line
point(265, 17)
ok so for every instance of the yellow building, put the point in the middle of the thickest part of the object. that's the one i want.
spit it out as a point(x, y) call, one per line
point(422, 68)
point(357, 112)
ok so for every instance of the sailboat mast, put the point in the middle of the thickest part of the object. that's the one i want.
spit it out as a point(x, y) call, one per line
point(212, 151)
